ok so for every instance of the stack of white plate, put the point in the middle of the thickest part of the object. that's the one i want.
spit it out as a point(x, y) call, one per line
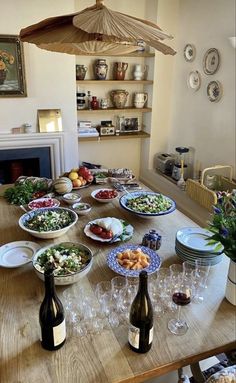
point(191, 243)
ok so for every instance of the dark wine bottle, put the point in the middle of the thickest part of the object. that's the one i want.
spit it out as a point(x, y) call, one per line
point(141, 318)
point(51, 315)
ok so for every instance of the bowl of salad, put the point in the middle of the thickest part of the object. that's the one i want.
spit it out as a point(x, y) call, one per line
point(70, 260)
point(48, 223)
point(147, 204)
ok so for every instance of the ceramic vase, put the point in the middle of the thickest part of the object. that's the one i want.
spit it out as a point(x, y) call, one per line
point(94, 103)
point(230, 292)
point(119, 98)
point(81, 71)
point(120, 70)
point(101, 69)
point(139, 71)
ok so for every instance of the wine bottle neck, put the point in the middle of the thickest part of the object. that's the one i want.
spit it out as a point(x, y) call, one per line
point(49, 284)
point(143, 284)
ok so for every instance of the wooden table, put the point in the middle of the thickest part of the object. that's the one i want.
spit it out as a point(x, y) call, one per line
point(105, 357)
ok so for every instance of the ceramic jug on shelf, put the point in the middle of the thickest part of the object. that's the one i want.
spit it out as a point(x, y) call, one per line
point(119, 98)
point(140, 98)
point(139, 71)
point(101, 68)
point(81, 71)
point(119, 70)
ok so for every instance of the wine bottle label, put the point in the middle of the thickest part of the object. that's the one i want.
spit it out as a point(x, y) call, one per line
point(59, 333)
point(150, 335)
point(134, 336)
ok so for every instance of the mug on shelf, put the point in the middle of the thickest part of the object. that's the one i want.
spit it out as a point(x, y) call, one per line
point(81, 71)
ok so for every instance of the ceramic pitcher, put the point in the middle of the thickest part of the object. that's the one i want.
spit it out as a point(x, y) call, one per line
point(81, 71)
point(119, 98)
point(140, 99)
point(139, 71)
point(119, 70)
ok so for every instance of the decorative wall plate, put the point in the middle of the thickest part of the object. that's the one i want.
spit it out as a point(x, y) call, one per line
point(189, 52)
point(214, 91)
point(211, 61)
point(194, 80)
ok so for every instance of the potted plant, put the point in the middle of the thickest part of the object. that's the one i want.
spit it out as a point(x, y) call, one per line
point(223, 227)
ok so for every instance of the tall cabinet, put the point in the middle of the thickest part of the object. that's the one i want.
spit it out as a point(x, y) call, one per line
point(121, 150)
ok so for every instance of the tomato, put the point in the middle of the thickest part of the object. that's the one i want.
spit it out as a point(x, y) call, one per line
point(106, 194)
point(106, 234)
point(96, 229)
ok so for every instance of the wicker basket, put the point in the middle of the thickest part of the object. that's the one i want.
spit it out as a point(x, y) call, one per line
point(216, 178)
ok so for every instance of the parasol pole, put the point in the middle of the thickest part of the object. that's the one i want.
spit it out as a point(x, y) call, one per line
point(99, 2)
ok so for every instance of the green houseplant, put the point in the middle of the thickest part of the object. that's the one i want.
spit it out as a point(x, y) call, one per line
point(223, 223)
point(223, 227)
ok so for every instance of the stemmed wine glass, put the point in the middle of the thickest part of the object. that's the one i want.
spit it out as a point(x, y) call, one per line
point(182, 292)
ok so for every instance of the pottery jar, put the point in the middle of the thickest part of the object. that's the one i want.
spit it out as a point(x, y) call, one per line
point(101, 69)
point(139, 71)
point(140, 99)
point(119, 98)
point(81, 71)
point(104, 103)
point(119, 70)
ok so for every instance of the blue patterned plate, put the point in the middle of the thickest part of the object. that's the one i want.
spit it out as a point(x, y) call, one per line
point(155, 261)
point(143, 209)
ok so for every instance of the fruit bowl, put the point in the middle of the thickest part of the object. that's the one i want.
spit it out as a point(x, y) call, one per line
point(71, 198)
point(72, 261)
point(105, 195)
point(48, 223)
point(147, 204)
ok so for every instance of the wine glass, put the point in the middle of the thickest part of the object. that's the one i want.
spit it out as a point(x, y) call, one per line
point(181, 295)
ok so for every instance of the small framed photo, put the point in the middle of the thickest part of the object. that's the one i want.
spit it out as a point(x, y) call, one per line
point(12, 70)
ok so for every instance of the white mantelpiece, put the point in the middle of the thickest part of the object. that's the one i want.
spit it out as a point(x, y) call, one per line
point(55, 141)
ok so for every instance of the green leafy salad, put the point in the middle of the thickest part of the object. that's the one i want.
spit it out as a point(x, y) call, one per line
point(149, 203)
point(49, 221)
point(64, 259)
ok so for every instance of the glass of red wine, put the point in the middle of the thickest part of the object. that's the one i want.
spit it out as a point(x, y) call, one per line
point(181, 295)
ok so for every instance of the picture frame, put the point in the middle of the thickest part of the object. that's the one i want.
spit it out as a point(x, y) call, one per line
point(49, 120)
point(12, 68)
point(128, 125)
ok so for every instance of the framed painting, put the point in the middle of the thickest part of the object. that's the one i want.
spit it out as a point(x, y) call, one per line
point(12, 70)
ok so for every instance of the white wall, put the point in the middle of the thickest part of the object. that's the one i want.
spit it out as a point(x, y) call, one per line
point(188, 118)
point(50, 76)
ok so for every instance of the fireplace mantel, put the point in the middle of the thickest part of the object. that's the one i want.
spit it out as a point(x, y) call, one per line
point(55, 141)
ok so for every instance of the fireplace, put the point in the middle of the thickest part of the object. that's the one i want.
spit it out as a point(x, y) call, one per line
point(37, 154)
point(28, 162)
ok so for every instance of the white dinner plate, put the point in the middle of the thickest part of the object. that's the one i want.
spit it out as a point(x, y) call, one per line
point(125, 235)
point(18, 253)
point(196, 238)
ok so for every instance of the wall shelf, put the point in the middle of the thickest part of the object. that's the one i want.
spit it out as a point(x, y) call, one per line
point(136, 82)
point(124, 136)
point(128, 109)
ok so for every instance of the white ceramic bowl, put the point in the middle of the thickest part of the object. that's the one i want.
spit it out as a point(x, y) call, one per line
point(43, 202)
point(47, 234)
point(104, 200)
point(71, 198)
point(68, 278)
point(81, 208)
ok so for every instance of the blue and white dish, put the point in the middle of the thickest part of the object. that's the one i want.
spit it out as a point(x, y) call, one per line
point(155, 261)
point(131, 195)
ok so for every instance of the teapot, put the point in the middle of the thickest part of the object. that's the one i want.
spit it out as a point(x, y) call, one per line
point(139, 71)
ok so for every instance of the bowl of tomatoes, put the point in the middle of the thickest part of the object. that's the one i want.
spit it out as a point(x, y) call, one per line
point(104, 195)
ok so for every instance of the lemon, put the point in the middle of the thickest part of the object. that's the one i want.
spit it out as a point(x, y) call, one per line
point(73, 176)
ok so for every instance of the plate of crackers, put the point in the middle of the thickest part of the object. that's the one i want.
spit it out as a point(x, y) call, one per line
point(129, 260)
